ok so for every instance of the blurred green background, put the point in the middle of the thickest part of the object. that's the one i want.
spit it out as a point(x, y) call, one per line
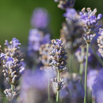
point(15, 16)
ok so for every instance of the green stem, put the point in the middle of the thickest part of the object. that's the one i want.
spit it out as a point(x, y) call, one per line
point(49, 91)
point(70, 63)
point(86, 65)
point(93, 99)
point(12, 88)
point(57, 96)
point(81, 64)
point(99, 59)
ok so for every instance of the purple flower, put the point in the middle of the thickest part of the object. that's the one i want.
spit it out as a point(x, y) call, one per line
point(13, 44)
point(71, 32)
point(12, 65)
point(91, 26)
point(2, 56)
point(40, 18)
point(35, 35)
point(46, 39)
point(58, 55)
point(34, 86)
point(70, 13)
point(36, 39)
point(91, 78)
point(9, 62)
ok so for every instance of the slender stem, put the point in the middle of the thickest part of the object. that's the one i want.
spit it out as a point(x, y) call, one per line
point(49, 91)
point(70, 63)
point(81, 64)
point(12, 88)
point(86, 65)
point(57, 97)
point(93, 99)
point(99, 59)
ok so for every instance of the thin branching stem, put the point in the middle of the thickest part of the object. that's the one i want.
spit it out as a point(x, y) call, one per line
point(86, 66)
point(57, 96)
point(81, 64)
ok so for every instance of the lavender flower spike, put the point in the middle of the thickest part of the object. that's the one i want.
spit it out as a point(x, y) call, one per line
point(58, 62)
point(58, 55)
point(36, 38)
point(40, 18)
point(71, 32)
point(12, 66)
point(91, 26)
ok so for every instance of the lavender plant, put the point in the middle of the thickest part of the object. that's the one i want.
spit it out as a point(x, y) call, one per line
point(48, 60)
point(71, 32)
point(38, 35)
point(58, 61)
point(12, 66)
point(90, 28)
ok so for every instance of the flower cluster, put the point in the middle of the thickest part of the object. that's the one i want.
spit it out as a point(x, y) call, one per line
point(12, 66)
point(64, 4)
point(36, 39)
point(71, 32)
point(44, 54)
point(91, 26)
point(57, 85)
point(58, 61)
point(58, 55)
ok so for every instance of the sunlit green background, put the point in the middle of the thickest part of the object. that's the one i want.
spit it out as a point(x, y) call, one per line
point(15, 16)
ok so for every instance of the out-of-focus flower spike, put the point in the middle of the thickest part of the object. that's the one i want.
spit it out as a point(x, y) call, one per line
point(40, 18)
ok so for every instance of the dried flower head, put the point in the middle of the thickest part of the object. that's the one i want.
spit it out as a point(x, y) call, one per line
point(58, 55)
point(81, 57)
point(57, 85)
point(9, 94)
point(91, 26)
point(44, 54)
